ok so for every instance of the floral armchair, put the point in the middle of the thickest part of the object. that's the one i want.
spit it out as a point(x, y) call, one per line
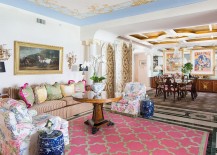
point(19, 126)
point(130, 103)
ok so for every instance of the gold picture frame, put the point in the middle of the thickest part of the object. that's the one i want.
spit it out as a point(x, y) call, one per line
point(203, 61)
point(31, 58)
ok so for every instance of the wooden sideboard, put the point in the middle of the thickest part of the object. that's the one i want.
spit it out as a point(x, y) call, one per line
point(207, 85)
point(203, 85)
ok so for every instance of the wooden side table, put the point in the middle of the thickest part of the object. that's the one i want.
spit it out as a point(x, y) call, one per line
point(97, 118)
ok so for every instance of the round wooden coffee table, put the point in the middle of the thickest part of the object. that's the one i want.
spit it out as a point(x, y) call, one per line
point(97, 118)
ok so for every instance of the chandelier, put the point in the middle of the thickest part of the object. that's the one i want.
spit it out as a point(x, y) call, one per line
point(177, 57)
point(4, 53)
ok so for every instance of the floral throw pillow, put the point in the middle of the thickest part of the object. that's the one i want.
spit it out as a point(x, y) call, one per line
point(40, 94)
point(27, 95)
point(79, 86)
point(53, 91)
point(67, 90)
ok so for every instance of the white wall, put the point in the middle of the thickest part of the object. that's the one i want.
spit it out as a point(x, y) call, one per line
point(19, 25)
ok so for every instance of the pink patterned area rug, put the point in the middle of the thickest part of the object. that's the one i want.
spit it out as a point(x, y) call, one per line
point(134, 136)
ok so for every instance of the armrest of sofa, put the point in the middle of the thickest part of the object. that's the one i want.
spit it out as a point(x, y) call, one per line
point(8, 128)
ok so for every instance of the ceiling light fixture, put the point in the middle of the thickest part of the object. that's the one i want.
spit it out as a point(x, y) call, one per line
point(177, 57)
point(210, 27)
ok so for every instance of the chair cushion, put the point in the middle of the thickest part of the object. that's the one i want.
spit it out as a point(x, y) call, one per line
point(40, 121)
point(25, 130)
point(49, 106)
point(135, 88)
point(27, 95)
point(70, 101)
point(53, 91)
point(40, 94)
point(174, 89)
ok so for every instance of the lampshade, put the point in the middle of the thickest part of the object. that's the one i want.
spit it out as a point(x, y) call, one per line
point(158, 68)
point(2, 67)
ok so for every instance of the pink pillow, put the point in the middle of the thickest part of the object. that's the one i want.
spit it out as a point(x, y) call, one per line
point(71, 81)
point(27, 95)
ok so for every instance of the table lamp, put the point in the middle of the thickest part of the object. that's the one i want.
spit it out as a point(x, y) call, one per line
point(158, 68)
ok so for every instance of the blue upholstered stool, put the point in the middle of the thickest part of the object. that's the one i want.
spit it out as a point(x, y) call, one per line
point(51, 144)
point(147, 108)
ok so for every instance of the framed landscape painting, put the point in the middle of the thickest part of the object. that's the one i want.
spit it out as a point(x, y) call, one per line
point(31, 58)
point(203, 62)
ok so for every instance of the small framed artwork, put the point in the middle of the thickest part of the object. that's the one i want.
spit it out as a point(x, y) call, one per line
point(82, 69)
point(142, 63)
point(203, 61)
point(31, 58)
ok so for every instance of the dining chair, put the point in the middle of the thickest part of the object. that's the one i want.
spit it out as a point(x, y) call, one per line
point(159, 85)
point(170, 87)
point(189, 87)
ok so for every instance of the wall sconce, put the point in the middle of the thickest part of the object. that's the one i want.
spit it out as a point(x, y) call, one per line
point(71, 59)
point(159, 69)
point(4, 53)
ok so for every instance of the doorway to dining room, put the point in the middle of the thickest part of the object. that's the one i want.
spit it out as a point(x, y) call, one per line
point(142, 69)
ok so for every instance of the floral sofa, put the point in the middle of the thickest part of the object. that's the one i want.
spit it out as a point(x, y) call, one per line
point(130, 103)
point(19, 128)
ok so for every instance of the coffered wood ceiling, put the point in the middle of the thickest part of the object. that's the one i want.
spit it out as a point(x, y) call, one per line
point(179, 36)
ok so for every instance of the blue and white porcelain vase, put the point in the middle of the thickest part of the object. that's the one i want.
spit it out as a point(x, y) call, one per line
point(98, 88)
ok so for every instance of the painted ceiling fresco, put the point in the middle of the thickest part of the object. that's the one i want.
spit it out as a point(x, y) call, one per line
point(83, 8)
point(86, 12)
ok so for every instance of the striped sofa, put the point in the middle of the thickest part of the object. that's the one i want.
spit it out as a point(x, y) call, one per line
point(65, 107)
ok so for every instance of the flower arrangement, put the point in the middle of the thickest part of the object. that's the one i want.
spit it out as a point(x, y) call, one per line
point(95, 64)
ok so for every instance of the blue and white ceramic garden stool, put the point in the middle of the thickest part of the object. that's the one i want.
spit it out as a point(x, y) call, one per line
point(51, 144)
point(147, 108)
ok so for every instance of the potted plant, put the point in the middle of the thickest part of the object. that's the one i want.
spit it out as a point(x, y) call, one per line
point(187, 68)
point(97, 85)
